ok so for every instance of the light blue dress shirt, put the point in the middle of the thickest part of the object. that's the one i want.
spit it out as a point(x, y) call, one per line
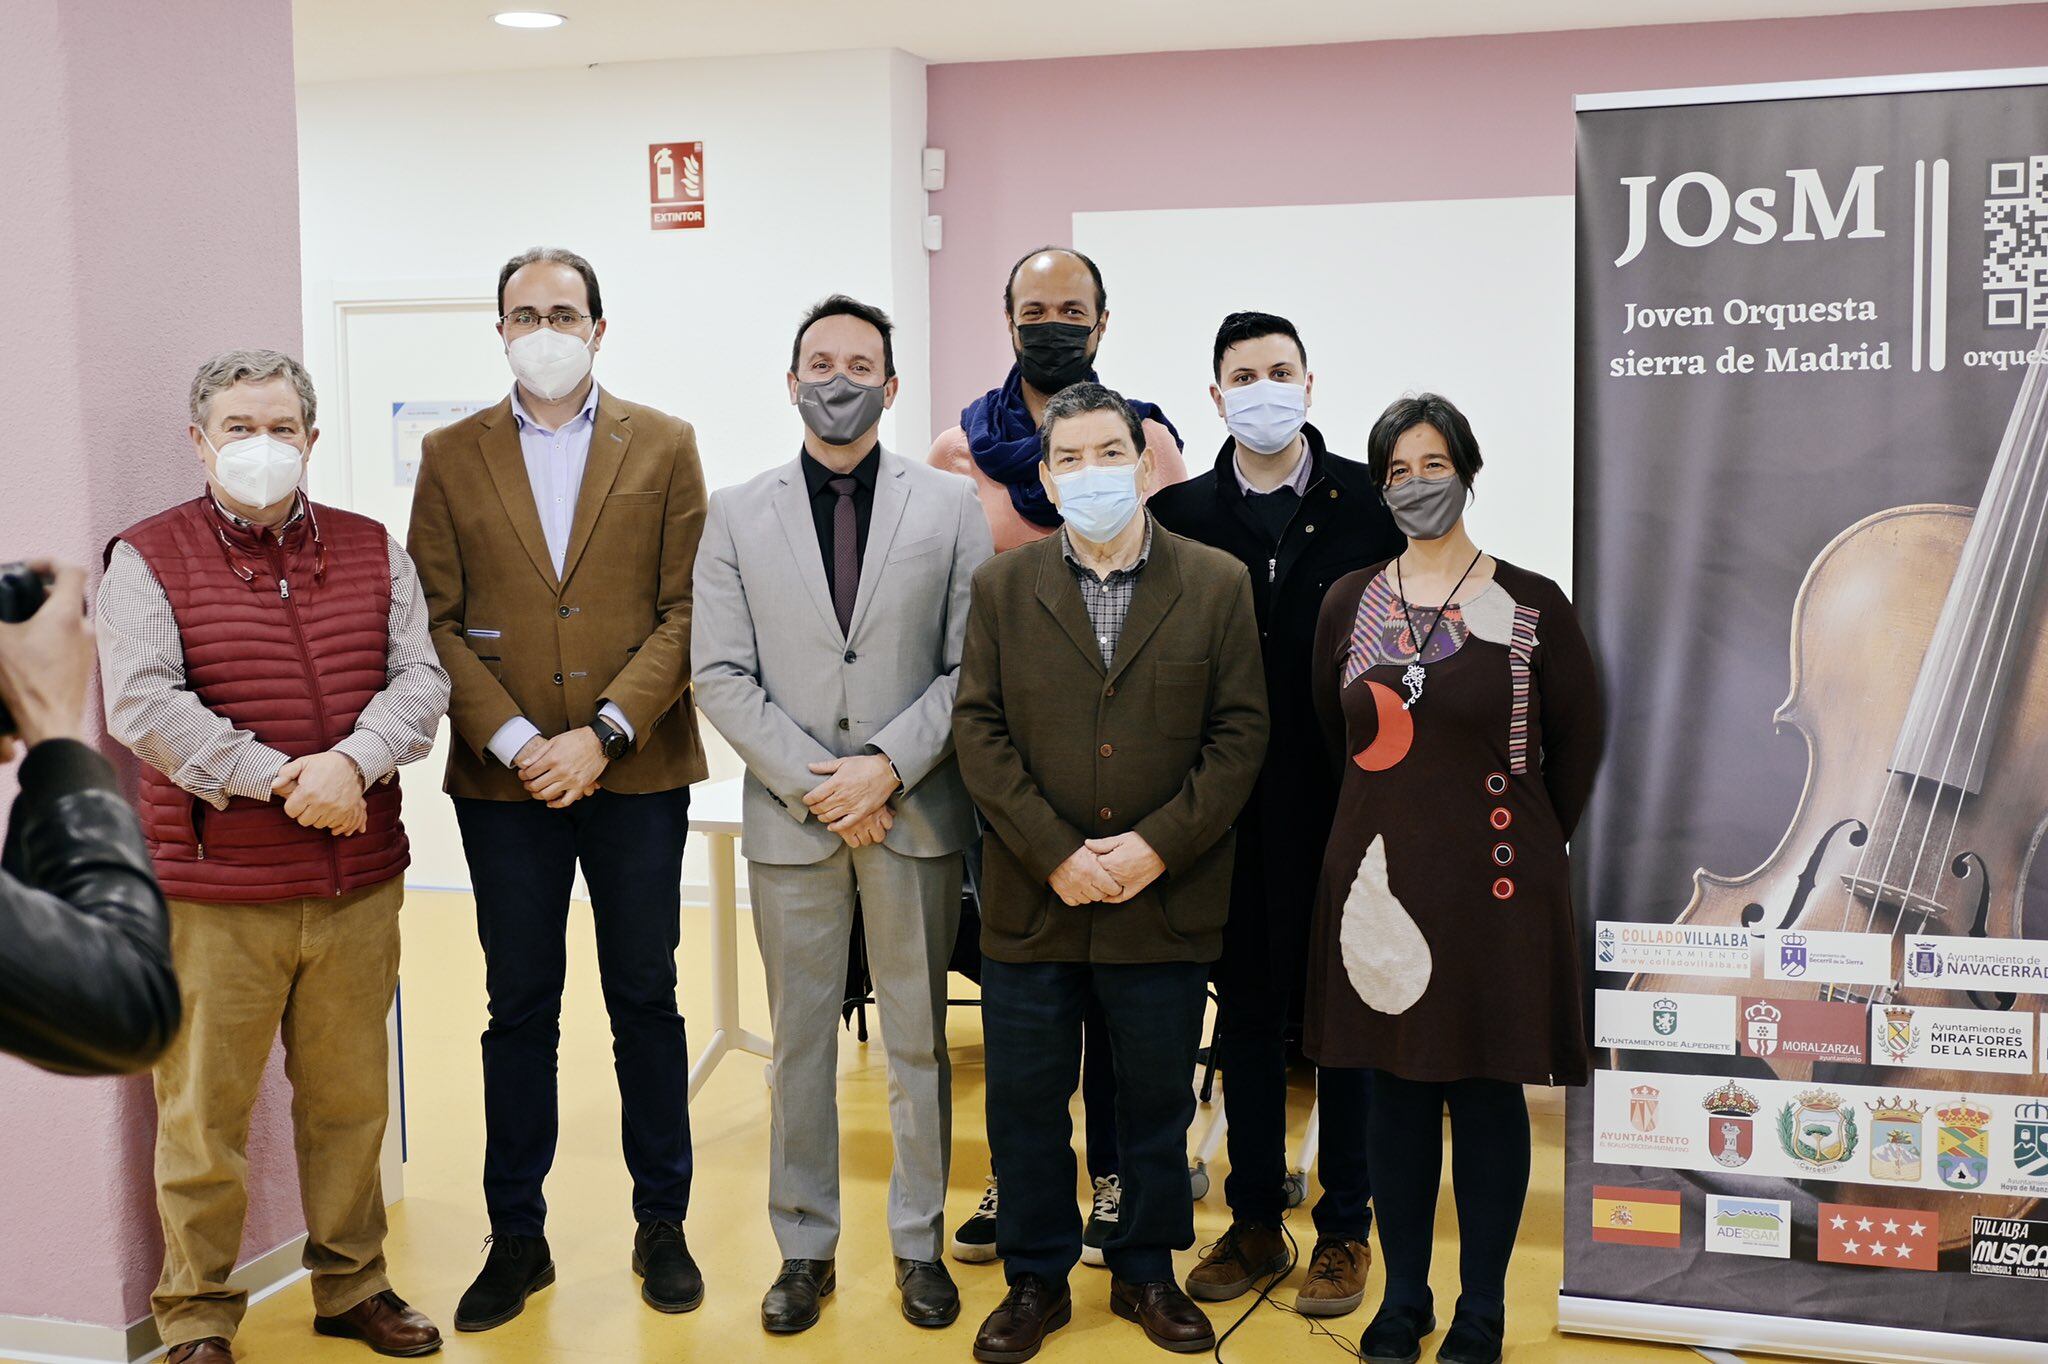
point(554, 468)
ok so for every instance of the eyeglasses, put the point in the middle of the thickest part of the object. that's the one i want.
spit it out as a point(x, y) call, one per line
point(561, 319)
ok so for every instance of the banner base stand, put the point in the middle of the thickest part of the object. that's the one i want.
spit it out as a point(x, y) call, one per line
point(1708, 1331)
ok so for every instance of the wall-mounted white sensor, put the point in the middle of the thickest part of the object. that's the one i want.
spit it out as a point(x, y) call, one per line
point(934, 168)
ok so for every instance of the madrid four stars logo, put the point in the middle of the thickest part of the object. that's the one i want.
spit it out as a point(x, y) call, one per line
point(1853, 1234)
point(1875, 1247)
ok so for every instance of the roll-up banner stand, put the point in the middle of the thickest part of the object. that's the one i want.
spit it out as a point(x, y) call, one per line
point(1812, 537)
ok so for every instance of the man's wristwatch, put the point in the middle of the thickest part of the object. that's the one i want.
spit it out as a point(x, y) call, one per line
point(611, 738)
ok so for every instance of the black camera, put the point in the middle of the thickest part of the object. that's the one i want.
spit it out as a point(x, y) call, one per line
point(22, 593)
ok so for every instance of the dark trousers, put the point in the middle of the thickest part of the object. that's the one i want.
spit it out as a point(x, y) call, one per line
point(1489, 1181)
point(522, 859)
point(1098, 1093)
point(1032, 1024)
point(1251, 1051)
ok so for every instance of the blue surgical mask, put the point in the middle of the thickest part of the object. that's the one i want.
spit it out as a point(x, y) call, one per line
point(1266, 415)
point(1098, 500)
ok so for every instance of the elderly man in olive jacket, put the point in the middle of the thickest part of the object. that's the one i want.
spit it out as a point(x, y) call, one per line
point(1110, 724)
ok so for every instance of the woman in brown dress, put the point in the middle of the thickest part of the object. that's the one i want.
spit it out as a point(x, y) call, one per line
point(1459, 696)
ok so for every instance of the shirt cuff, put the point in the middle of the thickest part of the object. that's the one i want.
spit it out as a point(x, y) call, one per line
point(619, 721)
point(255, 773)
point(512, 736)
point(371, 755)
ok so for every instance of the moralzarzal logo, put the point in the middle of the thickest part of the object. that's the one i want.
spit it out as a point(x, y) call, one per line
point(1702, 216)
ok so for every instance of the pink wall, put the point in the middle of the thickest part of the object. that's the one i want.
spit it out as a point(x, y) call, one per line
point(1029, 144)
point(150, 218)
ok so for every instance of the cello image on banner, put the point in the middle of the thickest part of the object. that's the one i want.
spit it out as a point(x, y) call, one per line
point(1919, 681)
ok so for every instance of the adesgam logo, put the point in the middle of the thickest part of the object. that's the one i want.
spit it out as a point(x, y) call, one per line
point(1685, 198)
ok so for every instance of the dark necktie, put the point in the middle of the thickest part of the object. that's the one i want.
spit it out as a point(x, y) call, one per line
point(845, 551)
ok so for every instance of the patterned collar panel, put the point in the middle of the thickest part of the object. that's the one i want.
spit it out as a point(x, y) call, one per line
point(1081, 570)
point(250, 527)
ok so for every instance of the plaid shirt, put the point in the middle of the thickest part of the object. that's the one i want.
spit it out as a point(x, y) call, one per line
point(1108, 599)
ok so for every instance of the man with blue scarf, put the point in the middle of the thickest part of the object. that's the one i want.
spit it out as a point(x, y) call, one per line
point(1056, 309)
point(1057, 312)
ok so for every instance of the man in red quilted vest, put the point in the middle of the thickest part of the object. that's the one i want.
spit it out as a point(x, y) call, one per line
point(268, 660)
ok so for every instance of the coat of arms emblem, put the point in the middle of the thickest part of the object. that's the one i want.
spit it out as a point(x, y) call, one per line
point(1642, 1107)
point(1664, 1017)
point(2030, 1139)
point(1924, 960)
point(1818, 1129)
point(1895, 1141)
point(1762, 1022)
point(1901, 1038)
point(1731, 1124)
point(1962, 1150)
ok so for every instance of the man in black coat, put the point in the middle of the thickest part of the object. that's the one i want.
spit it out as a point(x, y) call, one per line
point(1300, 518)
point(85, 952)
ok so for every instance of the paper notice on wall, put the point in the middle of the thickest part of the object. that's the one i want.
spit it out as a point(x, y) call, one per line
point(410, 423)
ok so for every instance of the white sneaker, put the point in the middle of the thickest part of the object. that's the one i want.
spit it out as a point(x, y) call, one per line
point(1102, 1219)
point(975, 1242)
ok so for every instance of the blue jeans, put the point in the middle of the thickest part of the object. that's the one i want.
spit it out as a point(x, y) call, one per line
point(522, 859)
point(1032, 1016)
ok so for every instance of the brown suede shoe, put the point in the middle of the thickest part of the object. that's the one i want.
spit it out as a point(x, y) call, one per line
point(1336, 1278)
point(383, 1322)
point(1032, 1310)
point(1243, 1255)
point(209, 1350)
point(1171, 1322)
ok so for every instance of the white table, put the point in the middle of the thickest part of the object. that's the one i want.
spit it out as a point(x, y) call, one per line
point(715, 813)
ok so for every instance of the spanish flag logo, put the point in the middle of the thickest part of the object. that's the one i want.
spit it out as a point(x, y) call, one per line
point(1635, 1217)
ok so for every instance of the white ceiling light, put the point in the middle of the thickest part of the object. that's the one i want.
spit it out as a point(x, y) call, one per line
point(528, 18)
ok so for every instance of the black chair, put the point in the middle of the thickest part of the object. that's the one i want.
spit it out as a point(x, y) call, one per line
point(860, 981)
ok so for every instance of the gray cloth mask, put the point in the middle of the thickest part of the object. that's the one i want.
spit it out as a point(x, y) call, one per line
point(1426, 508)
point(840, 411)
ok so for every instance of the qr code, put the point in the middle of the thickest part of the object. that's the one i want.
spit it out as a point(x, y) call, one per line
point(2016, 256)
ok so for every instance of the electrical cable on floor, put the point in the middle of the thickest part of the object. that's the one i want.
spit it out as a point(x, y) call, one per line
point(1316, 1327)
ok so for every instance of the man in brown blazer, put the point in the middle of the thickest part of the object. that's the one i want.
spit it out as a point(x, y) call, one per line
point(1110, 725)
point(555, 536)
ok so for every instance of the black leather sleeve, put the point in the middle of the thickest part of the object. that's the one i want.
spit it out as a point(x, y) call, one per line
point(85, 955)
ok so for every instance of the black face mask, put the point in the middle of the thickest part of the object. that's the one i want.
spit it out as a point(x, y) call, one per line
point(1053, 354)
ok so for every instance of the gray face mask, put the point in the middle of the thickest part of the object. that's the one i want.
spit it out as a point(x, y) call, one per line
point(1426, 508)
point(839, 411)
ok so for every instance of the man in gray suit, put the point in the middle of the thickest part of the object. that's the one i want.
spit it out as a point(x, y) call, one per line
point(831, 608)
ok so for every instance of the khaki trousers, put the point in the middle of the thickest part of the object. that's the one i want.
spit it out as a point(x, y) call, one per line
point(324, 971)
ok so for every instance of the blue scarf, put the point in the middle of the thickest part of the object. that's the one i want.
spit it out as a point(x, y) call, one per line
point(1004, 442)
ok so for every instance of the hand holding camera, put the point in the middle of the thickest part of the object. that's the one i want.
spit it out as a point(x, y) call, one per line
point(46, 653)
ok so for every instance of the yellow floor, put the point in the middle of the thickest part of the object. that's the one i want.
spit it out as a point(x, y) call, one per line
point(594, 1311)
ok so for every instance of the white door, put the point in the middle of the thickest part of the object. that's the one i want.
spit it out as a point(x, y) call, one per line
point(393, 354)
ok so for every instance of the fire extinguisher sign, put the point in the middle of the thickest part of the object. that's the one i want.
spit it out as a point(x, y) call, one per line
point(675, 185)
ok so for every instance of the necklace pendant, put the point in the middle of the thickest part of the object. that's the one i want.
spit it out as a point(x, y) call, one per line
point(1413, 680)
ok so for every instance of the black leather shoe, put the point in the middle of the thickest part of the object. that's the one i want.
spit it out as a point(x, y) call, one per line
point(1395, 1335)
point(517, 1268)
point(1477, 1336)
point(1032, 1310)
point(929, 1297)
point(661, 1257)
point(1171, 1320)
point(793, 1300)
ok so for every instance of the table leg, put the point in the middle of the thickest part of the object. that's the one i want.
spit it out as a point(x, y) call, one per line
point(726, 1033)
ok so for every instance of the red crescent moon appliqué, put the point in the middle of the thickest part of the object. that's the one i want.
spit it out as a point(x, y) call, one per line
point(1396, 736)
